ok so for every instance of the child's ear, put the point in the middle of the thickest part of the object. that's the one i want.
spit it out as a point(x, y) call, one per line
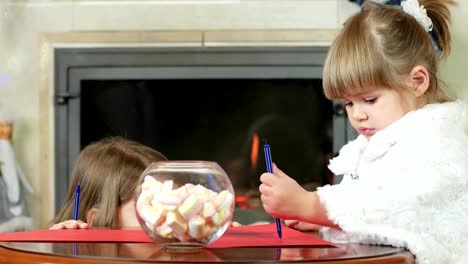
point(91, 215)
point(418, 80)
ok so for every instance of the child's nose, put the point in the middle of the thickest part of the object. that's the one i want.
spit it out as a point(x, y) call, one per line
point(357, 113)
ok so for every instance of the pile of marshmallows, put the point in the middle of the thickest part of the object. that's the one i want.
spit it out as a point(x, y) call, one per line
point(190, 212)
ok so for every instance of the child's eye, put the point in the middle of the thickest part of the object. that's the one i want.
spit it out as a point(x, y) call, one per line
point(347, 103)
point(370, 100)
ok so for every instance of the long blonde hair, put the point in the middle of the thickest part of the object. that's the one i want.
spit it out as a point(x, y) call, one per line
point(381, 44)
point(108, 173)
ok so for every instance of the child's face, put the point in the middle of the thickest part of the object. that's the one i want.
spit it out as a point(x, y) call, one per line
point(127, 216)
point(373, 111)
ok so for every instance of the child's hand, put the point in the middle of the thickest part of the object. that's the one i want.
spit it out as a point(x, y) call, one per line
point(301, 225)
point(235, 224)
point(70, 224)
point(283, 197)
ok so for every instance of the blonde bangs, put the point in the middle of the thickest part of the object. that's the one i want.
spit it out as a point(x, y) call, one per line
point(355, 63)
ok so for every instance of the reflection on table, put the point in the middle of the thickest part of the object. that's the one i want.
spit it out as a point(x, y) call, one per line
point(25, 252)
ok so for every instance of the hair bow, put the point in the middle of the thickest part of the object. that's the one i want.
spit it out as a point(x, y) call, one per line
point(412, 8)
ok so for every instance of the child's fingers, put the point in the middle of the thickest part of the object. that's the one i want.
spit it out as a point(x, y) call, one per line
point(70, 224)
point(291, 223)
point(75, 224)
point(235, 224)
point(278, 172)
point(304, 226)
point(267, 178)
point(301, 225)
point(84, 225)
point(264, 189)
point(57, 226)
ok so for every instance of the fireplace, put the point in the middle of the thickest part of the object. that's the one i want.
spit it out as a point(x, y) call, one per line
point(215, 104)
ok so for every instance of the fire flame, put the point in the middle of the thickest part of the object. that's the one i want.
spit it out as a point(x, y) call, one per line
point(254, 152)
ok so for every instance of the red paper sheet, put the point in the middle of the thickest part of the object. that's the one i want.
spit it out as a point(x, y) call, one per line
point(243, 236)
point(265, 236)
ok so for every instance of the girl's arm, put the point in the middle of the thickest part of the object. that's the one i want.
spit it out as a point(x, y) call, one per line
point(284, 198)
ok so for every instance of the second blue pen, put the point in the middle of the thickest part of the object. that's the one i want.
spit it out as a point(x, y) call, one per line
point(76, 205)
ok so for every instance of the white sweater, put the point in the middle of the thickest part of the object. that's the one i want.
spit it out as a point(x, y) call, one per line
point(407, 186)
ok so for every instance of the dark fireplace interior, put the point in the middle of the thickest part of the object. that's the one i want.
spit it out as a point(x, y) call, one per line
point(217, 104)
point(218, 120)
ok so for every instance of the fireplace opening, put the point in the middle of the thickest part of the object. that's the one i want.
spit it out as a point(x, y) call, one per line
point(217, 104)
point(225, 121)
point(220, 120)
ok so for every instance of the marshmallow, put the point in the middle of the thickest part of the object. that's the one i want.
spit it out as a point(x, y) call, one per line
point(209, 209)
point(183, 237)
point(168, 198)
point(197, 189)
point(204, 197)
point(163, 209)
point(190, 207)
point(221, 217)
point(176, 223)
point(224, 200)
point(150, 215)
point(150, 183)
point(197, 228)
point(189, 185)
point(212, 194)
point(182, 192)
point(143, 199)
point(165, 231)
point(167, 186)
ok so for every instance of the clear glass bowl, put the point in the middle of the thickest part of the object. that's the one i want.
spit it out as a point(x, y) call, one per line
point(184, 204)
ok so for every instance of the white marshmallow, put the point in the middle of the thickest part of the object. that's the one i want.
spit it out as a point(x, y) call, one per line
point(165, 231)
point(150, 183)
point(163, 209)
point(143, 199)
point(190, 207)
point(176, 223)
point(197, 189)
point(182, 192)
point(224, 200)
point(150, 215)
point(221, 217)
point(168, 198)
point(197, 227)
point(167, 186)
point(209, 209)
point(183, 237)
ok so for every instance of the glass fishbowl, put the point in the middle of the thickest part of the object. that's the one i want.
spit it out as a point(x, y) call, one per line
point(184, 204)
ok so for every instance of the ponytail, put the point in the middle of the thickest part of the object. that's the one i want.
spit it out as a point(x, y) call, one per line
point(439, 13)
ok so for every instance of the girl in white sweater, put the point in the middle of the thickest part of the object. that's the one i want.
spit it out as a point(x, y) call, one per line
point(406, 176)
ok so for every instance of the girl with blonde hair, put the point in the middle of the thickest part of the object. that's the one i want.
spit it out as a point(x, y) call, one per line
point(405, 177)
point(108, 173)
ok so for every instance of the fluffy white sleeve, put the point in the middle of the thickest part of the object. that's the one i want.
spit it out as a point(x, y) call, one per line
point(415, 196)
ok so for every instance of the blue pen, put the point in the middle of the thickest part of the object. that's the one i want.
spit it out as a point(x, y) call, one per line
point(266, 149)
point(77, 202)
